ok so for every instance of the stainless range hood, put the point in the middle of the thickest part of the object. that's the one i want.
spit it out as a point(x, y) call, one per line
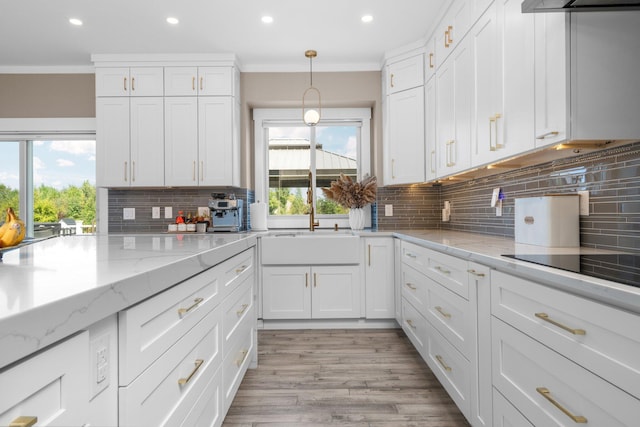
point(542, 6)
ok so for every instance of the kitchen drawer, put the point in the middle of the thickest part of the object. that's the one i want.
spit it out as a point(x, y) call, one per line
point(450, 272)
point(207, 409)
point(236, 269)
point(611, 342)
point(415, 326)
point(173, 380)
point(53, 385)
point(450, 314)
point(415, 256)
point(451, 368)
point(235, 365)
point(148, 329)
point(542, 384)
point(238, 314)
point(414, 287)
point(505, 414)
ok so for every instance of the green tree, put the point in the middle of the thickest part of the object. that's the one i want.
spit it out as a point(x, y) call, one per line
point(44, 210)
point(8, 198)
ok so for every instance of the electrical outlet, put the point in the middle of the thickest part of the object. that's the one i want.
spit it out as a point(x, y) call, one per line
point(100, 364)
point(388, 210)
point(155, 212)
point(168, 212)
point(129, 213)
point(584, 202)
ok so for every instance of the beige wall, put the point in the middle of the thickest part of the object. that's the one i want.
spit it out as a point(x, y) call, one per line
point(47, 95)
point(284, 90)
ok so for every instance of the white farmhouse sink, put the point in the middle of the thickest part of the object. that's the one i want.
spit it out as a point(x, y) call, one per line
point(310, 248)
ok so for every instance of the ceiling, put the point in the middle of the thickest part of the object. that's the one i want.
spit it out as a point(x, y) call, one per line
point(36, 34)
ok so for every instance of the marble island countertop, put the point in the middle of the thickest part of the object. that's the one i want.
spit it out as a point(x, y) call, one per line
point(53, 288)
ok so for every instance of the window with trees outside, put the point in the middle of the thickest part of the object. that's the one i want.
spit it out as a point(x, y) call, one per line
point(50, 184)
point(288, 152)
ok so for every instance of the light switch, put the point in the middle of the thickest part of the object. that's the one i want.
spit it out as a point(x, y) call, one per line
point(129, 213)
point(155, 212)
point(168, 212)
point(388, 210)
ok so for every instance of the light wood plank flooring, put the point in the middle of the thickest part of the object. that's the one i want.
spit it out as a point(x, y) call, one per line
point(340, 377)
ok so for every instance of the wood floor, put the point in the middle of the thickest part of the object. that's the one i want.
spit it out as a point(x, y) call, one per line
point(340, 377)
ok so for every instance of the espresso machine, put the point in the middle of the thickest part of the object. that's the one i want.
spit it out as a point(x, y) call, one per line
point(226, 213)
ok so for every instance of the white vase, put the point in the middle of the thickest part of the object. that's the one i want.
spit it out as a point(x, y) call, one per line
point(356, 218)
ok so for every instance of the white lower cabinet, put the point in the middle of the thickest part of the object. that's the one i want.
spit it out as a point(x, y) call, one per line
point(379, 278)
point(311, 292)
point(505, 415)
point(51, 387)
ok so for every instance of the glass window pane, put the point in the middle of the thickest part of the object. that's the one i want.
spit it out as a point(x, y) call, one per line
point(9, 178)
point(289, 161)
point(64, 179)
point(336, 153)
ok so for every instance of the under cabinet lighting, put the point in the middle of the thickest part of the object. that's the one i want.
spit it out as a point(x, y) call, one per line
point(75, 21)
point(173, 21)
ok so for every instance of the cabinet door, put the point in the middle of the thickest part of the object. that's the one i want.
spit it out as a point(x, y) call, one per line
point(286, 293)
point(215, 81)
point(405, 74)
point(430, 59)
point(146, 81)
point(112, 81)
point(147, 141)
point(550, 78)
point(454, 89)
point(112, 134)
point(52, 386)
point(336, 292)
point(379, 278)
point(405, 162)
point(180, 81)
point(430, 129)
point(181, 141)
point(453, 28)
point(215, 141)
point(505, 415)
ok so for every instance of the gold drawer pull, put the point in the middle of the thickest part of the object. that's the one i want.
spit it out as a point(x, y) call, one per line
point(442, 270)
point(410, 323)
point(410, 286)
point(547, 395)
point(196, 302)
point(24, 421)
point(475, 273)
point(410, 255)
point(546, 318)
point(242, 310)
point(443, 364)
point(241, 269)
point(444, 313)
point(183, 381)
point(243, 355)
point(545, 135)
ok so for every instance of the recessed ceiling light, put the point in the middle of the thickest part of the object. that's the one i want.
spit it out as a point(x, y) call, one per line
point(173, 21)
point(75, 21)
point(267, 19)
point(367, 18)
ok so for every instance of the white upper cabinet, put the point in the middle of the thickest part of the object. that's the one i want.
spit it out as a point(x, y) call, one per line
point(452, 29)
point(203, 81)
point(405, 74)
point(430, 59)
point(503, 79)
point(129, 81)
point(430, 129)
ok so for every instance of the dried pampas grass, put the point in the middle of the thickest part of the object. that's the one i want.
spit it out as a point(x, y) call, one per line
point(351, 194)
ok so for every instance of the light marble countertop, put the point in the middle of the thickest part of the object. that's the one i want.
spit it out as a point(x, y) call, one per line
point(56, 287)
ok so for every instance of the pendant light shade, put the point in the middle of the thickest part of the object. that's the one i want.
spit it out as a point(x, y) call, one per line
point(311, 106)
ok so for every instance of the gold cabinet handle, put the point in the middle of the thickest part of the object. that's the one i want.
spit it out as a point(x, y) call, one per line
point(196, 302)
point(306, 280)
point(315, 280)
point(133, 83)
point(449, 39)
point(546, 318)
point(124, 84)
point(201, 170)
point(498, 145)
point(369, 255)
point(410, 286)
point(410, 255)
point(492, 123)
point(193, 83)
point(475, 273)
point(442, 312)
point(391, 80)
point(393, 163)
point(433, 162)
point(242, 310)
point(243, 355)
point(548, 134)
point(410, 323)
point(442, 270)
point(241, 269)
point(133, 171)
point(126, 165)
point(446, 38)
point(431, 60)
point(547, 395)
point(183, 381)
point(23, 421)
point(449, 145)
point(193, 177)
point(443, 364)
point(201, 83)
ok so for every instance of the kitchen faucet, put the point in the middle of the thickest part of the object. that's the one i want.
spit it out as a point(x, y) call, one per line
point(312, 222)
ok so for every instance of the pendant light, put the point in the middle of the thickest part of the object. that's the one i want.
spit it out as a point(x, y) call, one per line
point(311, 111)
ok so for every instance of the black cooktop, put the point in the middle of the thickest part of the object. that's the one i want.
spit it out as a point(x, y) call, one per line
point(621, 268)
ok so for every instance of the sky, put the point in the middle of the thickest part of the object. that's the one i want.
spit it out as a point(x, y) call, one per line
point(336, 139)
point(57, 164)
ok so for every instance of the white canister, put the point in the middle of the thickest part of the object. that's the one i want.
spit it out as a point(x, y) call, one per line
point(172, 228)
point(191, 227)
point(182, 227)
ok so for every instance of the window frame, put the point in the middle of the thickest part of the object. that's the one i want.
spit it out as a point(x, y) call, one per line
point(272, 117)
